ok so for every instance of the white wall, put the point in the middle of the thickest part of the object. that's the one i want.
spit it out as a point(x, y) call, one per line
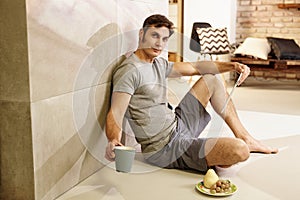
point(173, 15)
point(219, 13)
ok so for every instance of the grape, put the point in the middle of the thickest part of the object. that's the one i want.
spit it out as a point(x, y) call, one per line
point(221, 186)
point(213, 186)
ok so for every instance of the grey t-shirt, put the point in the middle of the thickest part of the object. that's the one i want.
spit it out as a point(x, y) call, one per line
point(148, 115)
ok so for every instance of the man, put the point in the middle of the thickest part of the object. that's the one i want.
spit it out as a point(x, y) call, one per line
point(170, 139)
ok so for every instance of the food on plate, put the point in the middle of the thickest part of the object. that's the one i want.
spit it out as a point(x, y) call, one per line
point(215, 185)
point(221, 186)
point(210, 178)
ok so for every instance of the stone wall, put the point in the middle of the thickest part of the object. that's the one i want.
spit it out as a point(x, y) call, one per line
point(56, 63)
point(261, 18)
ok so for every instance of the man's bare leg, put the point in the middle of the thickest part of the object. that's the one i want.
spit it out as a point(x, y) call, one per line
point(226, 151)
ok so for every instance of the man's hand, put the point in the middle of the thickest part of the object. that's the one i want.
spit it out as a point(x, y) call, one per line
point(241, 68)
point(109, 152)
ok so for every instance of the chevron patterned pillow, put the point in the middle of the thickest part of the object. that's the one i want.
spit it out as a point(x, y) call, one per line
point(213, 40)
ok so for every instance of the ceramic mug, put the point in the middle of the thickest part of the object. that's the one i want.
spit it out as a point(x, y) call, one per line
point(124, 158)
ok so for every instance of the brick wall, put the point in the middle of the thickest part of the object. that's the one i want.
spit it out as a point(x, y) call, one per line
point(262, 18)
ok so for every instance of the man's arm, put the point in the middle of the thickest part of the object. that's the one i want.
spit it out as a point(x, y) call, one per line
point(208, 67)
point(114, 120)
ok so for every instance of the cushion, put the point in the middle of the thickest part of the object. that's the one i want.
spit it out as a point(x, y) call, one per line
point(213, 40)
point(285, 48)
point(254, 47)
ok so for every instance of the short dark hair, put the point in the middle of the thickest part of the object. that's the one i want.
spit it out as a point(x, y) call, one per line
point(158, 21)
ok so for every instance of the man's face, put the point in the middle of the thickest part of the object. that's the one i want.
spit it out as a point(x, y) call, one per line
point(154, 40)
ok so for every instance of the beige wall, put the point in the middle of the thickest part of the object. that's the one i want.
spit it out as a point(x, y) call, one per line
point(16, 158)
point(56, 62)
point(261, 18)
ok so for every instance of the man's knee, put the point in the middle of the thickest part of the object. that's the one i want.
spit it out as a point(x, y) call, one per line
point(226, 151)
point(240, 150)
point(212, 82)
point(209, 78)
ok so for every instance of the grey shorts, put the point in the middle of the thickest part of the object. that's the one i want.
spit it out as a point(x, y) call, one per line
point(185, 150)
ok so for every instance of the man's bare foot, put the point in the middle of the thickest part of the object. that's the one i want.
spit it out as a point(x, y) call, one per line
point(256, 146)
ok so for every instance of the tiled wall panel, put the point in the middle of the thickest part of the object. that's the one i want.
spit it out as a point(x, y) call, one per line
point(56, 63)
point(73, 48)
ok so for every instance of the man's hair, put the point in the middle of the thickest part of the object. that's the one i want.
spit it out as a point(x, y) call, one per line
point(158, 21)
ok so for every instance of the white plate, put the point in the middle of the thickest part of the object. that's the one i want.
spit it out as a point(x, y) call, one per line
point(200, 187)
